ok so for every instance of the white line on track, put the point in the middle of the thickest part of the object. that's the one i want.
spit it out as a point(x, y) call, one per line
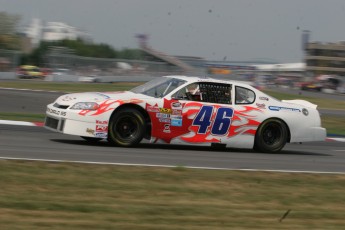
point(170, 166)
point(34, 90)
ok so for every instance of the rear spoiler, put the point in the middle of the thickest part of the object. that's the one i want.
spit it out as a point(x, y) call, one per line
point(301, 102)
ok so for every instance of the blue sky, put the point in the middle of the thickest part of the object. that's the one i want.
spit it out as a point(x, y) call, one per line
point(214, 29)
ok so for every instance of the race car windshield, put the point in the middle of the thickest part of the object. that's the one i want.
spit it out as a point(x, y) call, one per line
point(158, 87)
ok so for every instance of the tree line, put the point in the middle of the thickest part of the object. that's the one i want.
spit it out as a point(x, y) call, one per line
point(80, 48)
point(10, 39)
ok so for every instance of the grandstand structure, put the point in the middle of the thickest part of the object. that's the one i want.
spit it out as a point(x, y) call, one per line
point(325, 58)
point(143, 45)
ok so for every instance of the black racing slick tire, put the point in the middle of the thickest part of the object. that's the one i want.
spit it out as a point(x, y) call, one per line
point(271, 136)
point(126, 128)
point(92, 139)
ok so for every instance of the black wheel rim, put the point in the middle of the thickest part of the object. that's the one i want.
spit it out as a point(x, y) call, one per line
point(126, 128)
point(272, 134)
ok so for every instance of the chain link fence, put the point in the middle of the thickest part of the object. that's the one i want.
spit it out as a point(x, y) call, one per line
point(62, 58)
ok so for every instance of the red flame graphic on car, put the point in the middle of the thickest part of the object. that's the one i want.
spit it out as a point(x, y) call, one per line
point(247, 124)
point(193, 110)
point(107, 106)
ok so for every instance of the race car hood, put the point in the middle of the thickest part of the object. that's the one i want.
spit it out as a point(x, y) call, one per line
point(301, 102)
point(70, 99)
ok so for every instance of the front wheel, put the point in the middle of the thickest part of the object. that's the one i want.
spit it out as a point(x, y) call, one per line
point(126, 128)
point(271, 136)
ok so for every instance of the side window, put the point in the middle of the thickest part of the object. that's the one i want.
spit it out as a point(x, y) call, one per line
point(206, 92)
point(190, 92)
point(163, 89)
point(244, 95)
point(215, 92)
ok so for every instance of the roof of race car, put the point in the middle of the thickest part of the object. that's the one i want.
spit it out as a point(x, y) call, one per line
point(191, 79)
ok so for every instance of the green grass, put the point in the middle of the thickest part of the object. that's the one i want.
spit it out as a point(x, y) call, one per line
point(22, 117)
point(334, 124)
point(37, 195)
point(321, 102)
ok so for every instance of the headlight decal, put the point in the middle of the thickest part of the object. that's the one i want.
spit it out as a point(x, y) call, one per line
point(107, 106)
point(85, 106)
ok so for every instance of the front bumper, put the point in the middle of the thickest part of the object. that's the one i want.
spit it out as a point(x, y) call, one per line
point(73, 127)
point(67, 122)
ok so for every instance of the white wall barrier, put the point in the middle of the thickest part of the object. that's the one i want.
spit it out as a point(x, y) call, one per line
point(7, 75)
point(76, 78)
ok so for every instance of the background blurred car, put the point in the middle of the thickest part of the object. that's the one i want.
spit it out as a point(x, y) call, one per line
point(341, 87)
point(313, 86)
point(60, 71)
point(324, 83)
point(29, 72)
point(89, 79)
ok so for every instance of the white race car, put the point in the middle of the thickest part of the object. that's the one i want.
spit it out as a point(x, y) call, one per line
point(187, 110)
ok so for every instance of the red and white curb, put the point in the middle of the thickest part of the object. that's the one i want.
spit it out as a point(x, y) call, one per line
point(26, 123)
point(23, 123)
point(341, 139)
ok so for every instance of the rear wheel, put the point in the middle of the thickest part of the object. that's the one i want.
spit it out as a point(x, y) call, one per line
point(271, 136)
point(126, 128)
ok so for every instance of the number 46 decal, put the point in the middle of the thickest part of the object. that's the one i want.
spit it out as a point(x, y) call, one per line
point(221, 123)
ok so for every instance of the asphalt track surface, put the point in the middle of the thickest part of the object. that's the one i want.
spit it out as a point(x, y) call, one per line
point(39, 143)
point(25, 101)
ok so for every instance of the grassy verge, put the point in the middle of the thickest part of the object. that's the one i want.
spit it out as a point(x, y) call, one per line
point(37, 195)
point(22, 117)
point(334, 124)
point(321, 102)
